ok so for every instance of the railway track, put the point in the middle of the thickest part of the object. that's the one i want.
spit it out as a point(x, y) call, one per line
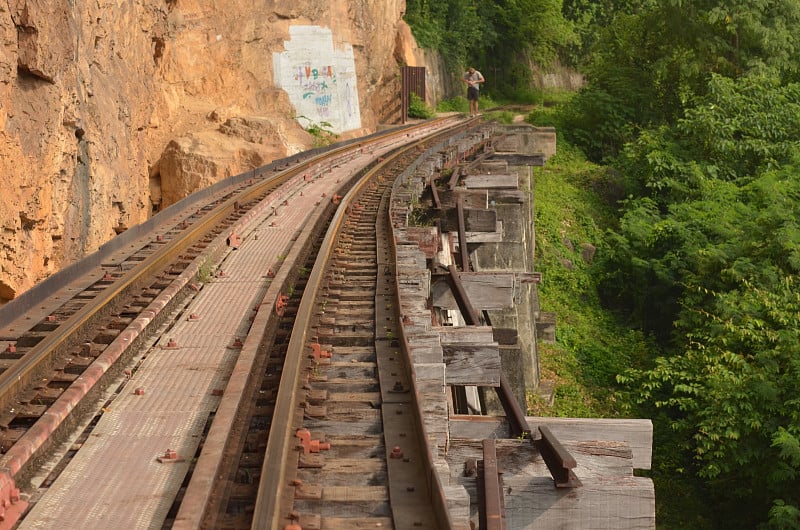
point(355, 454)
point(88, 326)
point(344, 377)
point(269, 354)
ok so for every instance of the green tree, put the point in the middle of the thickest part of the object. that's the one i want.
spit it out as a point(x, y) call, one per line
point(732, 398)
point(650, 65)
point(521, 35)
point(505, 39)
point(450, 26)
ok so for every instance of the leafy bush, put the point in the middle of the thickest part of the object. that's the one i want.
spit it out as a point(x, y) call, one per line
point(456, 104)
point(503, 116)
point(321, 132)
point(419, 109)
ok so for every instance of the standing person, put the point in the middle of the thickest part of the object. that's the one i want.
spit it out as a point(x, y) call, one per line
point(473, 79)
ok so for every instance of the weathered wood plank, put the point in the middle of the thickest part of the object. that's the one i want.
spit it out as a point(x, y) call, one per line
point(435, 417)
point(468, 364)
point(624, 503)
point(465, 334)
point(532, 501)
point(508, 196)
point(637, 433)
point(492, 166)
point(458, 504)
point(353, 466)
point(430, 378)
point(486, 237)
point(424, 348)
point(359, 397)
point(355, 493)
point(486, 291)
point(414, 282)
point(352, 523)
point(507, 181)
point(475, 220)
point(472, 198)
point(426, 237)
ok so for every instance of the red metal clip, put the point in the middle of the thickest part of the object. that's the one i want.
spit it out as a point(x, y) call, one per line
point(280, 304)
point(318, 352)
point(309, 445)
point(11, 506)
point(170, 457)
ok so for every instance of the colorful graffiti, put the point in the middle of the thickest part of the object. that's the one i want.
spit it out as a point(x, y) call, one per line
point(319, 78)
point(316, 83)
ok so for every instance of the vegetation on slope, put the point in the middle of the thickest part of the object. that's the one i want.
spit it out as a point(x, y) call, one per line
point(591, 348)
point(502, 39)
point(693, 109)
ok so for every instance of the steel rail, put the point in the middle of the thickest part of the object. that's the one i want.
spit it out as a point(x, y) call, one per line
point(274, 490)
point(24, 371)
point(20, 374)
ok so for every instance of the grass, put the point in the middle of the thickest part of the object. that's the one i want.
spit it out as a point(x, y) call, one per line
point(574, 205)
point(205, 273)
point(591, 347)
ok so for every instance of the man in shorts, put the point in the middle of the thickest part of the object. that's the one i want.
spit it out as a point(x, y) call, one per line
point(473, 79)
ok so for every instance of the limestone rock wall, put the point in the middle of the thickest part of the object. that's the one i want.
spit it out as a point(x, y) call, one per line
point(111, 110)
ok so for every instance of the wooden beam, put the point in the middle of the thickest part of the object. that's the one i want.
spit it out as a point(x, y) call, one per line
point(462, 236)
point(476, 199)
point(486, 291)
point(635, 433)
point(507, 181)
point(472, 364)
point(475, 220)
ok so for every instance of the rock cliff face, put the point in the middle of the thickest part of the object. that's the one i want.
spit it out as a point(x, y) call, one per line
point(112, 110)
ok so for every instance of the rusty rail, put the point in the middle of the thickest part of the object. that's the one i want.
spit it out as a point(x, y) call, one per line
point(493, 516)
point(274, 490)
point(470, 314)
point(462, 235)
point(517, 424)
point(559, 461)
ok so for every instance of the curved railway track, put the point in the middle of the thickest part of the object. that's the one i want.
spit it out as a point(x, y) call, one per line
point(353, 387)
point(64, 346)
point(338, 314)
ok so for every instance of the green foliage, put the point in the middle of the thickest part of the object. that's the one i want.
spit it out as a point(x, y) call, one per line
point(784, 516)
point(525, 95)
point(653, 61)
point(694, 102)
point(636, 80)
point(588, 18)
point(731, 397)
point(591, 346)
point(705, 212)
point(504, 38)
point(452, 27)
point(744, 126)
point(417, 108)
point(502, 116)
point(321, 132)
point(456, 104)
point(486, 102)
point(716, 240)
point(205, 273)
